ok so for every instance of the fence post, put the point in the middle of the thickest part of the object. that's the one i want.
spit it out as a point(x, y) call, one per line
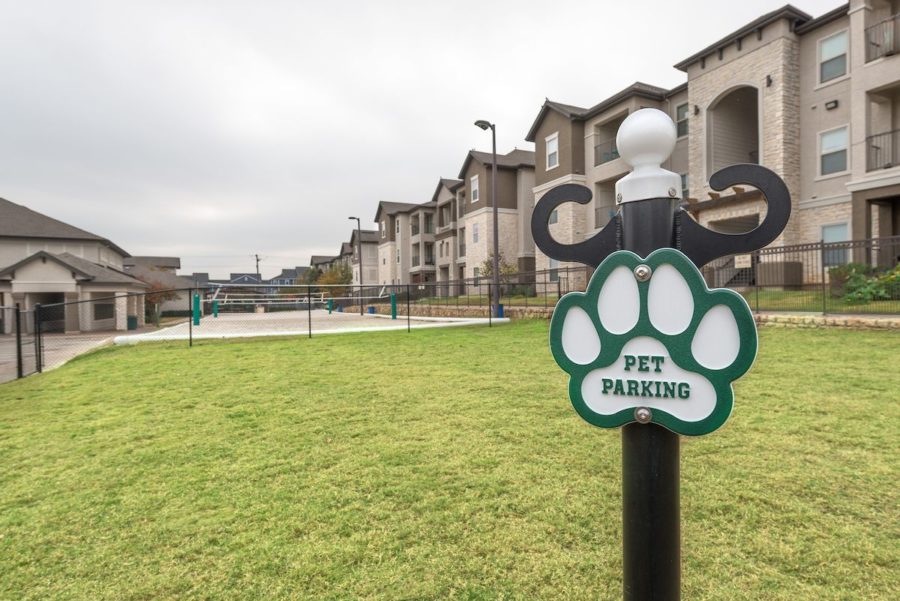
point(822, 263)
point(19, 368)
point(309, 311)
point(38, 343)
point(190, 318)
point(491, 296)
point(407, 309)
point(756, 258)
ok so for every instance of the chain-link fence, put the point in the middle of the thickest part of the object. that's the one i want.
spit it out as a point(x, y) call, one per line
point(18, 344)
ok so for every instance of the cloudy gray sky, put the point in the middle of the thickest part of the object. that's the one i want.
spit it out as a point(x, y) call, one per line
point(214, 130)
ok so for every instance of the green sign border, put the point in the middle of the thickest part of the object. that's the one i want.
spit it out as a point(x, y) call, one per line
point(678, 345)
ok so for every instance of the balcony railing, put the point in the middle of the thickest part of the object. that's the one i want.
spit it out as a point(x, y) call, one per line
point(605, 152)
point(429, 260)
point(881, 38)
point(414, 230)
point(883, 150)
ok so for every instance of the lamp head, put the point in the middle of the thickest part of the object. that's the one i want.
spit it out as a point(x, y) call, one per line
point(485, 125)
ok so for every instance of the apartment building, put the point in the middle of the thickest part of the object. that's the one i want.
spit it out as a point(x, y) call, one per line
point(369, 264)
point(394, 242)
point(450, 241)
point(817, 100)
point(474, 203)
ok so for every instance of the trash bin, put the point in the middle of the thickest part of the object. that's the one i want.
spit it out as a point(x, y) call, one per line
point(499, 310)
point(371, 310)
point(132, 322)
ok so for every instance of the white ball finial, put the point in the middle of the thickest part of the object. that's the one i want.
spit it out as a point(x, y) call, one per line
point(645, 140)
point(646, 137)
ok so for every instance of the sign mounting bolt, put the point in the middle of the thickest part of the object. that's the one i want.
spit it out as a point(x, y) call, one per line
point(643, 415)
point(642, 273)
point(673, 192)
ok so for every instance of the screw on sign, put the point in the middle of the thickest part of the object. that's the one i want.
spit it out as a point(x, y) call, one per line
point(648, 347)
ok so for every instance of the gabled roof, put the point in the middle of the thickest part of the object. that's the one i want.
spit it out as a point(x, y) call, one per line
point(367, 236)
point(164, 278)
point(346, 249)
point(84, 270)
point(797, 16)
point(167, 262)
point(424, 206)
point(392, 208)
point(232, 277)
point(638, 89)
point(320, 260)
point(17, 221)
point(515, 159)
point(450, 184)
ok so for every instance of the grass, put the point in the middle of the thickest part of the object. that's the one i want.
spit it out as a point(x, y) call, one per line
point(441, 464)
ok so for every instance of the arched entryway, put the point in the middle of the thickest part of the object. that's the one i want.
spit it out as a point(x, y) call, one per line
point(733, 129)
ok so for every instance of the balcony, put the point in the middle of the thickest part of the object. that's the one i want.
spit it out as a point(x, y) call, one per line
point(883, 150)
point(881, 38)
point(605, 152)
point(462, 249)
point(414, 229)
point(416, 260)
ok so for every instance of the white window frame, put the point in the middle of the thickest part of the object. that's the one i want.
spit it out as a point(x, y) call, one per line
point(554, 137)
point(474, 233)
point(685, 120)
point(554, 217)
point(819, 135)
point(685, 185)
point(819, 61)
point(383, 230)
point(473, 185)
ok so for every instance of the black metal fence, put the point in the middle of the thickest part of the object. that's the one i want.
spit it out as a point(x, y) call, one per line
point(859, 276)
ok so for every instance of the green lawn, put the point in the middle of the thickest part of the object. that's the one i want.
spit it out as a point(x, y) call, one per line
point(438, 464)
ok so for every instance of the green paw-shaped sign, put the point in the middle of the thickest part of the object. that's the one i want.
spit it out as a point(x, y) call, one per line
point(648, 341)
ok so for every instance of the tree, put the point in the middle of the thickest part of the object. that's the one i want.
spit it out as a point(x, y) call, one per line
point(486, 269)
point(155, 295)
point(336, 274)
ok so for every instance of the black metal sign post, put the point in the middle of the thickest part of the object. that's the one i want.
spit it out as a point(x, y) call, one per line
point(649, 219)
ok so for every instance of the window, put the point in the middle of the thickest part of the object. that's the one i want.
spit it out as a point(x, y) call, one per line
point(383, 230)
point(429, 223)
point(398, 255)
point(554, 217)
point(105, 310)
point(473, 183)
point(383, 261)
point(684, 186)
point(554, 270)
point(833, 57)
point(397, 225)
point(552, 151)
point(681, 119)
point(834, 233)
point(476, 272)
point(474, 233)
point(833, 151)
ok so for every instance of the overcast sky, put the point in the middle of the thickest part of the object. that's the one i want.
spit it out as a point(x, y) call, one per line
point(215, 130)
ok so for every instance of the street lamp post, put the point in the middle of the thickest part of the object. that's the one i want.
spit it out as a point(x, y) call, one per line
point(495, 301)
point(359, 253)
